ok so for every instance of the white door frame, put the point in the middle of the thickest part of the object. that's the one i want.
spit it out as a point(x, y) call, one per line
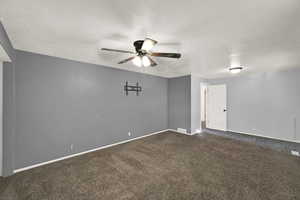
point(1, 117)
point(203, 87)
point(217, 107)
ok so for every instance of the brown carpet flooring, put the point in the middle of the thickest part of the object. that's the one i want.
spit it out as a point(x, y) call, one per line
point(164, 166)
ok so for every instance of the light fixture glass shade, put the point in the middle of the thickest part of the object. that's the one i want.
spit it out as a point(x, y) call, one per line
point(235, 70)
point(137, 61)
point(146, 61)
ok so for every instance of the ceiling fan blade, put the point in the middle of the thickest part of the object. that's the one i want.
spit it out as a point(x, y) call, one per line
point(126, 60)
point(167, 55)
point(148, 44)
point(153, 63)
point(117, 50)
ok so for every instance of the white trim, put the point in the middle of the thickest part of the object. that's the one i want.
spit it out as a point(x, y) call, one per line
point(199, 130)
point(196, 132)
point(1, 118)
point(257, 135)
point(173, 130)
point(84, 152)
point(181, 130)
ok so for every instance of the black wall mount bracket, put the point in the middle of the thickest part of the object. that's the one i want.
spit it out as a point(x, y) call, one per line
point(132, 88)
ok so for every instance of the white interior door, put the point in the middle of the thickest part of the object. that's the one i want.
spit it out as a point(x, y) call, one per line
point(216, 107)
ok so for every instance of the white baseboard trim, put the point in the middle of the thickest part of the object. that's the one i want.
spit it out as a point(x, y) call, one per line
point(263, 136)
point(88, 151)
point(197, 131)
point(182, 130)
point(173, 130)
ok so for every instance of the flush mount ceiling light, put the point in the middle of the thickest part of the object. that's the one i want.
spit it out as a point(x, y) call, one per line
point(235, 70)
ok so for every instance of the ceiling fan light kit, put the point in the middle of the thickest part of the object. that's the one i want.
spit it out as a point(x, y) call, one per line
point(146, 61)
point(143, 54)
point(137, 60)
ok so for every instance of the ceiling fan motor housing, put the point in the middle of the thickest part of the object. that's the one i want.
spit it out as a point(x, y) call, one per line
point(138, 45)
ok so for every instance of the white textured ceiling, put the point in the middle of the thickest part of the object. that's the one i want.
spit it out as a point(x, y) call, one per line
point(262, 35)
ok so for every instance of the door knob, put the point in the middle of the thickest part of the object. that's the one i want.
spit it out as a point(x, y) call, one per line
point(224, 110)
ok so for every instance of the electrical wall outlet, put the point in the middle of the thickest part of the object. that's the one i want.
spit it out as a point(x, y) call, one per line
point(295, 153)
point(129, 134)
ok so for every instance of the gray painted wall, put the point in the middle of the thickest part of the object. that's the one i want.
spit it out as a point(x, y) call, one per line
point(8, 103)
point(8, 117)
point(264, 103)
point(61, 102)
point(195, 104)
point(179, 103)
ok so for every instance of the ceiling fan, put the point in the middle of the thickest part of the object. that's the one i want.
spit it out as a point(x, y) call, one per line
point(143, 54)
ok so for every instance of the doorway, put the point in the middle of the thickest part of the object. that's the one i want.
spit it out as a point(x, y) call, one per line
point(216, 107)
